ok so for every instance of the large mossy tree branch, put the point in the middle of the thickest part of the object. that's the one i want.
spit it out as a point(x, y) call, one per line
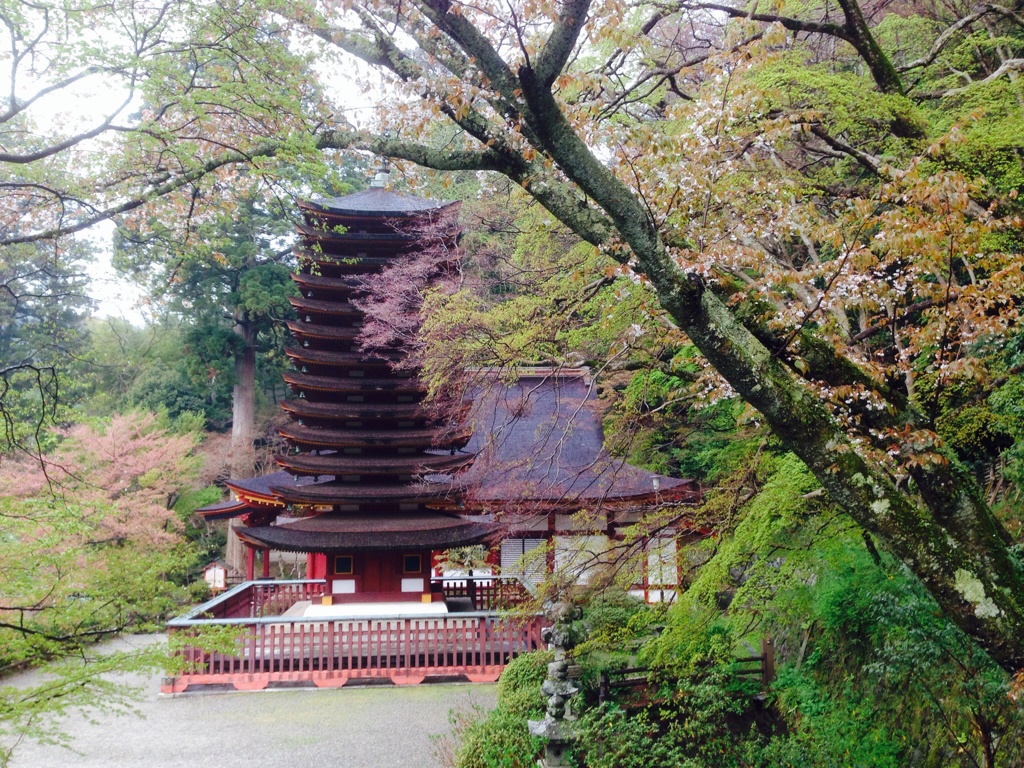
point(854, 31)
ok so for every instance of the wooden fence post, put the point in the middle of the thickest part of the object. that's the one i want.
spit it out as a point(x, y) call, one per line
point(768, 664)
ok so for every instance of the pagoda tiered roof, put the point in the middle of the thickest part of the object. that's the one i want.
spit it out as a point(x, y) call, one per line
point(331, 492)
point(374, 203)
point(349, 265)
point(342, 411)
point(364, 465)
point(369, 456)
point(342, 333)
point(325, 307)
point(372, 467)
point(352, 438)
point(355, 385)
point(388, 240)
point(339, 359)
point(343, 533)
point(343, 285)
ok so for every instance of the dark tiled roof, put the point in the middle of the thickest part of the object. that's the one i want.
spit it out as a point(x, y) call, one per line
point(261, 484)
point(331, 284)
point(336, 533)
point(320, 307)
point(224, 510)
point(367, 238)
point(345, 464)
point(540, 439)
point(320, 331)
point(439, 437)
point(349, 359)
point(377, 201)
point(408, 385)
point(366, 411)
point(363, 493)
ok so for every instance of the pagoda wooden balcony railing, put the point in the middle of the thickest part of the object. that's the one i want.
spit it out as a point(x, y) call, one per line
point(487, 593)
point(269, 598)
point(264, 650)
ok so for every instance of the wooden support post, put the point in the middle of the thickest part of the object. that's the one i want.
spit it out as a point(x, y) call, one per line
point(250, 562)
point(768, 663)
point(265, 557)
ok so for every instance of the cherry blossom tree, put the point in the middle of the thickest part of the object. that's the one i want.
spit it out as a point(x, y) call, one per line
point(89, 548)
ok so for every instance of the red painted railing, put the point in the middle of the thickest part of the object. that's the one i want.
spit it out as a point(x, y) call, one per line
point(488, 593)
point(257, 599)
point(262, 650)
point(273, 599)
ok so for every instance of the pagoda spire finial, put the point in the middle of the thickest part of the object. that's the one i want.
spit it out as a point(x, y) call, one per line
point(383, 176)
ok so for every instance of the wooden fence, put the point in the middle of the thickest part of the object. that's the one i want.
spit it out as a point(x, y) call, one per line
point(487, 593)
point(254, 599)
point(476, 646)
point(241, 639)
point(760, 667)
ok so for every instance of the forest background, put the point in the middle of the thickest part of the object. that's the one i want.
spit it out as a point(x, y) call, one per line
point(786, 238)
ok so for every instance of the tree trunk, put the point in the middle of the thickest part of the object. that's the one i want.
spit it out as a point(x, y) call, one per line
point(243, 404)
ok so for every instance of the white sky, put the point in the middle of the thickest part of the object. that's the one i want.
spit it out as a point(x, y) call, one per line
point(117, 297)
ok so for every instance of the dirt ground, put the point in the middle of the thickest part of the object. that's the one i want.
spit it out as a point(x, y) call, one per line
point(356, 727)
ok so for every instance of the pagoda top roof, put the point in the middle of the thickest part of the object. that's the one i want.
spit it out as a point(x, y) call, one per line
point(378, 201)
point(540, 440)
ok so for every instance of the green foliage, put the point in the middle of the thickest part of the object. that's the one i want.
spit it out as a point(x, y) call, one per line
point(870, 670)
point(500, 739)
point(869, 119)
point(519, 686)
point(229, 290)
point(89, 683)
point(612, 612)
point(704, 722)
point(89, 550)
point(43, 306)
point(532, 293)
point(208, 540)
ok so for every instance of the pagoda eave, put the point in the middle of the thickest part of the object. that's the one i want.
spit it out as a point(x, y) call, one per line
point(350, 236)
point(358, 493)
point(341, 285)
point(375, 204)
point(330, 308)
point(343, 464)
point(436, 437)
point(225, 510)
point(338, 359)
point(375, 412)
point(324, 332)
point(283, 537)
point(354, 265)
point(340, 308)
point(351, 385)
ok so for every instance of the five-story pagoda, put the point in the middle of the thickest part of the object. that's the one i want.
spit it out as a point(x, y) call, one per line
point(367, 489)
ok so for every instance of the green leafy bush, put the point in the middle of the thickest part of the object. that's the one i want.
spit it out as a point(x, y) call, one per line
point(501, 738)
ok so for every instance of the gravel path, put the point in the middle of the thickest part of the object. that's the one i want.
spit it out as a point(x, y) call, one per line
point(359, 727)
